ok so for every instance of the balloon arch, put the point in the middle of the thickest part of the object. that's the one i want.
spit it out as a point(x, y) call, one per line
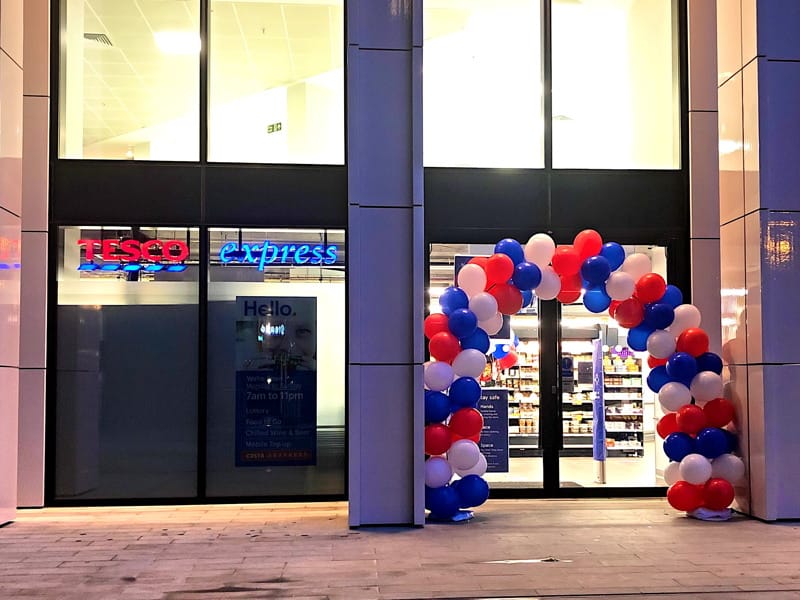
point(685, 375)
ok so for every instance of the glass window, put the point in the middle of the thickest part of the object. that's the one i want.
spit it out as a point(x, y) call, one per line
point(129, 79)
point(126, 391)
point(276, 82)
point(276, 363)
point(482, 90)
point(615, 84)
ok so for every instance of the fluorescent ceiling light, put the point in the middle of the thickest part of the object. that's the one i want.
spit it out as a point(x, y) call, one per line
point(177, 42)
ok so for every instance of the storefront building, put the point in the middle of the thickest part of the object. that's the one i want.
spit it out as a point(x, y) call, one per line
point(215, 193)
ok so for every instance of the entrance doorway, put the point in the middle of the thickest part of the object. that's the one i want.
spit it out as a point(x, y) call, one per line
point(565, 399)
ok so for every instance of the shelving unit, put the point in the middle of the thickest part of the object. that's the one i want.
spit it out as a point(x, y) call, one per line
point(623, 395)
point(522, 382)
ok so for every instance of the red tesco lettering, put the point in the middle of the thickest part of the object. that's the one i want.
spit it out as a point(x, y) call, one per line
point(133, 250)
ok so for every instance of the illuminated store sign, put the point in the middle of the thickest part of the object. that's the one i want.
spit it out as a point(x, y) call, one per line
point(128, 255)
point(9, 254)
point(273, 254)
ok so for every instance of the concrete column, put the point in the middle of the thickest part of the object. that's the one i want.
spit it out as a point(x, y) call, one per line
point(759, 64)
point(386, 261)
point(11, 55)
point(33, 313)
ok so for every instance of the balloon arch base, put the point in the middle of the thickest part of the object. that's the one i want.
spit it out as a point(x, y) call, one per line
point(697, 425)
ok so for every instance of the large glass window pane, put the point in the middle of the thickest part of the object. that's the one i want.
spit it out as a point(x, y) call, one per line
point(129, 79)
point(482, 91)
point(615, 84)
point(276, 363)
point(126, 380)
point(276, 81)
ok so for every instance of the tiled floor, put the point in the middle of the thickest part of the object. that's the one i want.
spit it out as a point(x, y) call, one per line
point(605, 548)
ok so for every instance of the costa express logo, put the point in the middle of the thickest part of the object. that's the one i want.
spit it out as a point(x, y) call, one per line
point(128, 255)
point(270, 254)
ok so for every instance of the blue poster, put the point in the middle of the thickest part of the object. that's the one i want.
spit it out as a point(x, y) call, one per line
point(598, 404)
point(493, 405)
point(276, 381)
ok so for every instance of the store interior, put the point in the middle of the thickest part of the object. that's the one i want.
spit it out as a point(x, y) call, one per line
point(630, 411)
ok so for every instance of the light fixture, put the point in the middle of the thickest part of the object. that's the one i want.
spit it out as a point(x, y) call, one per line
point(177, 42)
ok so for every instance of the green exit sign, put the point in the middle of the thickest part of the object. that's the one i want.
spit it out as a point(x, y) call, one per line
point(274, 127)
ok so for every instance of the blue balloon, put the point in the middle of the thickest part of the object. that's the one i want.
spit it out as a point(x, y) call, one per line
point(673, 296)
point(595, 270)
point(442, 501)
point(511, 248)
point(637, 337)
point(464, 393)
point(595, 300)
point(659, 315)
point(678, 445)
point(499, 352)
point(462, 322)
point(614, 254)
point(527, 297)
point(472, 490)
point(682, 367)
point(712, 442)
point(526, 276)
point(452, 299)
point(658, 378)
point(479, 340)
point(437, 407)
point(709, 362)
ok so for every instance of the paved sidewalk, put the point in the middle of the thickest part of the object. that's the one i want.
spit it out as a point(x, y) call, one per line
point(605, 548)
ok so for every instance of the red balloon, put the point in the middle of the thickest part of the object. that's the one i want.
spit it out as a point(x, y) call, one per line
point(508, 361)
point(718, 494)
point(570, 288)
point(566, 260)
point(499, 269)
point(568, 296)
point(654, 362)
point(588, 243)
point(509, 298)
point(475, 438)
point(435, 323)
point(691, 419)
point(719, 412)
point(444, 346)
point(437, 439)
point(629, 313)
point(694, 341)
point(612, 308)
point(466, 422)
point(479, 260)
point(685, 496)
point(650, 288)
point(667, 425)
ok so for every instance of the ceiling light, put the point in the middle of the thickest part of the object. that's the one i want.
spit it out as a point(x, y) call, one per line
point(177, 42)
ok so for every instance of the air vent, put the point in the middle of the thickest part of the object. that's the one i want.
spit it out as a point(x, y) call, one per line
point(100, 39)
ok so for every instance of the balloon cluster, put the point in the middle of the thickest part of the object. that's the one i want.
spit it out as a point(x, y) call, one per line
point(685, 375)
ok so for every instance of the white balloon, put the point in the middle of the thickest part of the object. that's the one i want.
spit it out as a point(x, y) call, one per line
point(728, 467)
point(469, 363)
point(672, 473)
point(695, 469)
point(438, 376)
point(686, 316)
point(620, 285)
point(484, 305)
point(540, 249)
point(673, 395)
point(492, 325)
point(661, 344)
point(550, 285)
point(438, 472)
point(472, 279)
point(479, 469)
point(637, 265)
point(463, 454)
point(706, 386)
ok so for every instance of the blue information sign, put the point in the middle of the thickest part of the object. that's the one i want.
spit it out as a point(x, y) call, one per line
point(276, 381)
point(598, 404)
point(493, 405)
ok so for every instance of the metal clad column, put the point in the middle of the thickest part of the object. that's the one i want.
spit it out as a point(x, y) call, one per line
point(386, 261)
